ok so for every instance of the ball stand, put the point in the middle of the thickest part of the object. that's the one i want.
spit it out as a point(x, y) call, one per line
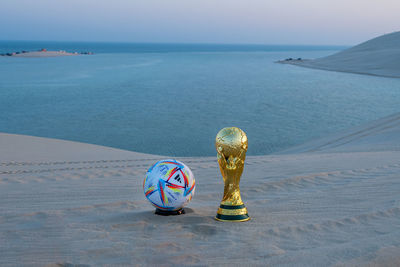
point(169, 212)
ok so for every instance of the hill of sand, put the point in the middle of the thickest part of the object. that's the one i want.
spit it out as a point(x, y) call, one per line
point(64, 203)
point(379, 135)
point(379, 56)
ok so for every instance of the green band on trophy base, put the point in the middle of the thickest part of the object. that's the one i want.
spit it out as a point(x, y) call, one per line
point(238, 218)
point(229, 207)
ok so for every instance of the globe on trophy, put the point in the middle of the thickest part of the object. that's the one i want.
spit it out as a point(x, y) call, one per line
point(169, 185)
point(231, 145)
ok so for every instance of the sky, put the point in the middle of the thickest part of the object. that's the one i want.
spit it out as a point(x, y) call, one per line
point(318, 22)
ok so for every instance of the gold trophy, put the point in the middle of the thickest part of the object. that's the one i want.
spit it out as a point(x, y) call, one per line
point(231, 145)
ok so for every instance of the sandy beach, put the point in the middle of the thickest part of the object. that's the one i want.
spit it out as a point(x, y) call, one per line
point(30, 54)
point(334, 201)
point(379, 56)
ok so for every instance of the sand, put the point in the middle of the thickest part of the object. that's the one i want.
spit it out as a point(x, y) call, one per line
point(379, 56)
point(334, 201)
point(379, 135)
point(45, 54)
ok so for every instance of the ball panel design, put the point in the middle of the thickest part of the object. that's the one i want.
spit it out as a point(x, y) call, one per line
point(169, 185)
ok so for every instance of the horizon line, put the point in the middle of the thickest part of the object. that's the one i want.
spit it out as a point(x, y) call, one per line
point(178, 43)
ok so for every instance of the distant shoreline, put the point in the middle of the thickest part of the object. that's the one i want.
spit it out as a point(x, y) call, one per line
point(44, 53)
point(378, 57)
point(308, 63)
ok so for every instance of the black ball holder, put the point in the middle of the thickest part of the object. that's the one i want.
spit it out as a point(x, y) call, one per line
point(169, 212)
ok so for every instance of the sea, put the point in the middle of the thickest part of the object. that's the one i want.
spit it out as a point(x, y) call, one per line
point(172, 99)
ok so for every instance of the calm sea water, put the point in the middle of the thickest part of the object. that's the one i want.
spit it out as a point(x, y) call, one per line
point(172, 99)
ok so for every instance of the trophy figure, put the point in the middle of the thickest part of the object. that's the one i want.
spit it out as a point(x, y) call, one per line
point(231, 145)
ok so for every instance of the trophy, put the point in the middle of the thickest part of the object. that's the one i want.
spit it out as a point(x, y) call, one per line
point(231, 145)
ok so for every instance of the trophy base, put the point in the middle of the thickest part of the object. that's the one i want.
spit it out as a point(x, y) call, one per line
point(169, 212)
point(228, 213)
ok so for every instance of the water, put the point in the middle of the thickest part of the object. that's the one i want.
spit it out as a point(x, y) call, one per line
point(14, 46)
point(173, 99)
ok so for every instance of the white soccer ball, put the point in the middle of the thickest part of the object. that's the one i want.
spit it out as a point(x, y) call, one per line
point(169, 185)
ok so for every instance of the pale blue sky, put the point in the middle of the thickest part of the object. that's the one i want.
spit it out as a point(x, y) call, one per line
point(193, 21)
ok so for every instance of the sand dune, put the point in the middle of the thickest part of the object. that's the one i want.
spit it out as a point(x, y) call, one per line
point(71, 203)
point(379, 135)
point(379, 56)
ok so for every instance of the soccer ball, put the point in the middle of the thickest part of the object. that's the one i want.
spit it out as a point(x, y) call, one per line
point(169, 185)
